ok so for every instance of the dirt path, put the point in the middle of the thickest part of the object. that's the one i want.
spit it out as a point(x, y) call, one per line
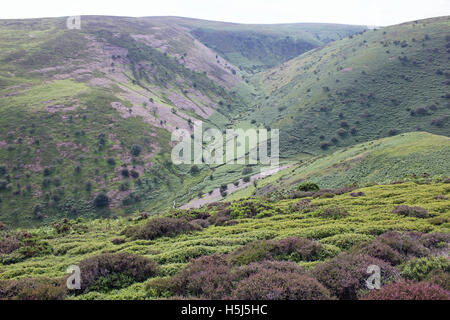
point(215, 195)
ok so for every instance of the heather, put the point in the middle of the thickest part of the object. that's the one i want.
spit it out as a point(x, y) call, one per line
point(407, 290)
point(210, 253)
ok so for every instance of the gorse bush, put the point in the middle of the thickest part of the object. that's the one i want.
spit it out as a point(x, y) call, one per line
point(113, 271)
point(408, 290)
point(160, 227)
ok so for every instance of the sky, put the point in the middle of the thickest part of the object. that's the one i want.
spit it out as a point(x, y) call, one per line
point(361, 12)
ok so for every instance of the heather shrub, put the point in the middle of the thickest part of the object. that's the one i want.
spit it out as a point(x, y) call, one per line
point(345, 275)
point(208, 277)
point(292, 248)
point(394, 247)
point(245, 271)
point(324, 193)
point(118, 241)
point(419, 269)
point(333, 213)
point(15, 247)
point(301, 249)
point(417, 212)
point(135, 150)
point(294, 194)
point(159, 227)
point(408, 290)
point(221, 218)
point(33, 289)
point(407, 244)
point(435, 240)
point(305, 206)
point(9, 243)
point(202, 223)
point(382, 251)
point(113, 271)
point(269, 284)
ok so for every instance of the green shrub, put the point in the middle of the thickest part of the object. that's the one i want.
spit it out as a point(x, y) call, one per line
point(346, 241)
point(419, 269)
point(101, 200)
point(135, 150)
point(308, 186)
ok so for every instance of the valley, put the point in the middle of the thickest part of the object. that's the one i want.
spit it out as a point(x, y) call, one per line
point(87, 178)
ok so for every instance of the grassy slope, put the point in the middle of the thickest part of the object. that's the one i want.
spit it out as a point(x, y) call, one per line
point(44, 65)
point(36, 57)
point(406, 156)
point(372, 82)
point(369, 215)
point(252, 47)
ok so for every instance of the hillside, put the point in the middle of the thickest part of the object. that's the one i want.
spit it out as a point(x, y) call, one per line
point(305, 232)
point(409, 156)
point(252, 47)
point(87, 179)
point(368, 86)
point(89, 111)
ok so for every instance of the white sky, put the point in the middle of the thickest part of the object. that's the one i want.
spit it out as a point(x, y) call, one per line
point(363, 12)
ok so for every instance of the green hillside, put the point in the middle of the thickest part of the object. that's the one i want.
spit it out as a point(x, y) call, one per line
point(253, 47)
point(74, 104)
point(88, 113)
point(412, 156)
point(368, 86)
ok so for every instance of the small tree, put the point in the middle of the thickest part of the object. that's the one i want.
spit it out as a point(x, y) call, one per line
point(101, 200)
point(194, 169)
point(136, 150)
